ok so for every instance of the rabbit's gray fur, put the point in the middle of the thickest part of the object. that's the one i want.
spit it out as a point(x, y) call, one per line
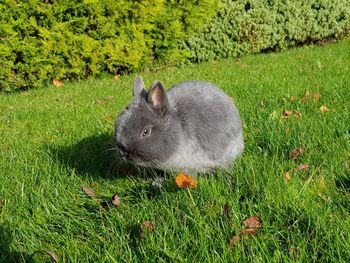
point(194, 127)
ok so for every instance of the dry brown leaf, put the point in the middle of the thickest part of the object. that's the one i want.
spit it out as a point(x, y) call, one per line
point(117, 77)
point(324, 109)
point(287, 113)
point(90, 193)
point(52, 255)
point(2, 202)
point(315, 96)
point(109, 98)
point(57, 83)
point(252, 222)
point(98, 101)
point(147, 226)
point(291, 113)
point(115, 200)
point(248, 231)
point(234, 240)
point(294, 154)
point(303, 166)
point(244, 232)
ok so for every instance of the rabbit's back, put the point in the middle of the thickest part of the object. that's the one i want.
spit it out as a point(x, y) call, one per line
point(210, 125)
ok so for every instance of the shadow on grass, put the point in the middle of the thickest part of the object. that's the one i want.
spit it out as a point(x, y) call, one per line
point(7, 254)
point(96, 156)
point(92, 156)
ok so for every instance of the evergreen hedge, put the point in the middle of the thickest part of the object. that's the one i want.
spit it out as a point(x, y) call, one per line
point(251, 26)
point(42, 40)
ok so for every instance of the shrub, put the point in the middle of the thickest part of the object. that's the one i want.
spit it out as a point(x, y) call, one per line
point(251, 26)
point(41, 40)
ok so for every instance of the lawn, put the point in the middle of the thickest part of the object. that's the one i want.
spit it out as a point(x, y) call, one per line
point(55, 140)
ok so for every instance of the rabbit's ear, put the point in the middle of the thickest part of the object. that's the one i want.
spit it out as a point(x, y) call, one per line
point(157, 97)
point(139, 87)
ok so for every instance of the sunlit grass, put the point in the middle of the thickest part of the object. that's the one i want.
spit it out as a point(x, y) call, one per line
point(54, 140)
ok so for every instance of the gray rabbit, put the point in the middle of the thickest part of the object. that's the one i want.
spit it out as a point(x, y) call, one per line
point(192, 127)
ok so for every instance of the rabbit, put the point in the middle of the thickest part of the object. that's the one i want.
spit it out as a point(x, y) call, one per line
point(192, 127)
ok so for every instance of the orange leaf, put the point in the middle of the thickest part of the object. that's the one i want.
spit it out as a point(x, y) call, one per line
point(252, 222)
point(185, 181)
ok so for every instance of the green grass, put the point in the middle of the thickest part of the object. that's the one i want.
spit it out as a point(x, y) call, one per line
point(54, 140)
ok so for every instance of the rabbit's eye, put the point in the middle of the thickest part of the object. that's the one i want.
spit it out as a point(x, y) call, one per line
point(145, 133)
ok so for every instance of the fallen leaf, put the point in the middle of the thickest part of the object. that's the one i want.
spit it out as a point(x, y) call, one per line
point(252, 222)
point(234, 240)
point(294, 154)
point(324, 109)
point(287, 175)
point(115, 200)
point(109, 98)
point(117, 77)
point(147, 226)
point(53, 255)
point(57, 83)
point(185, 181)
point(248, 231)
point(2, 202)
point(244, 232)
point(100, 101)
point(90, 193)
point(315, 96)
point(303, 166)
point(291, 113)
point(287, 113)
point(227, 214)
